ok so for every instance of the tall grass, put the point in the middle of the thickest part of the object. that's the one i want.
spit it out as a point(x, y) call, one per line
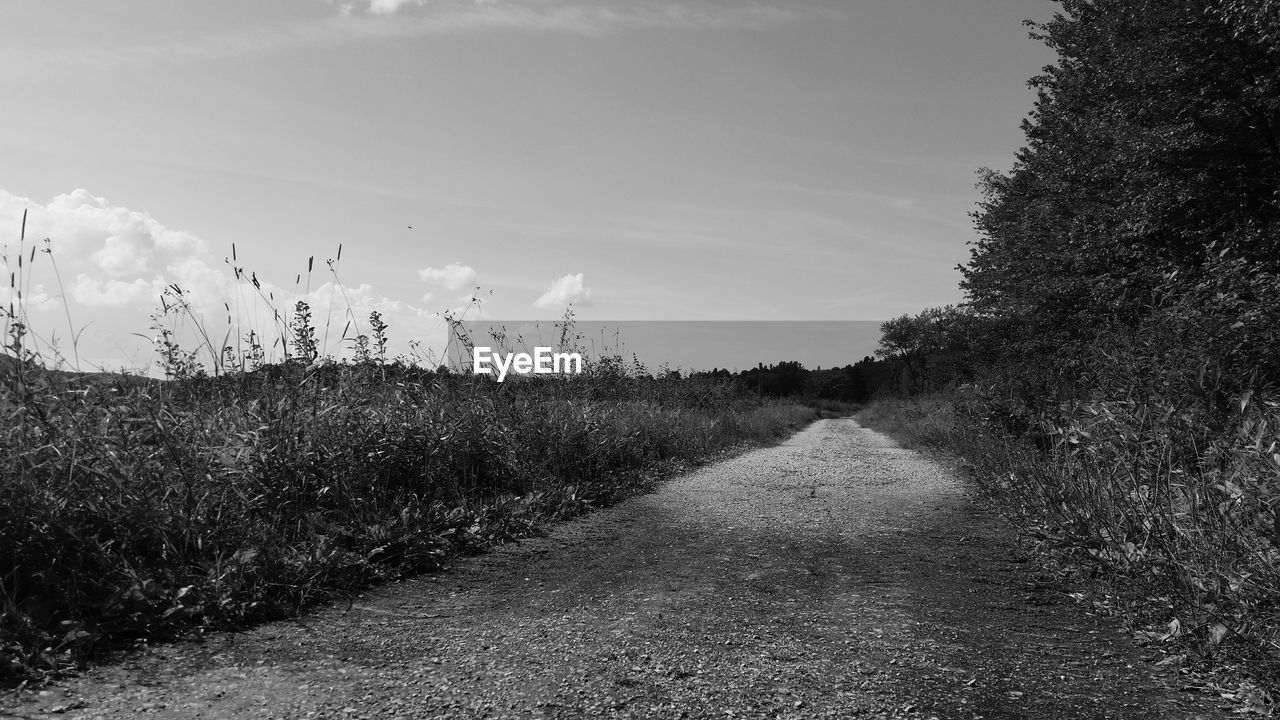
point(141, 508)
point(1176, 506)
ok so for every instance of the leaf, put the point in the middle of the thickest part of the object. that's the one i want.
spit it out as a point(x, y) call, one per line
point(244, 556)
point(1216, 634)
point(75, 635)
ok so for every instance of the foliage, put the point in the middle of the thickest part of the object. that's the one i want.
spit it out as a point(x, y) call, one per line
point(1183, 520)
point(134, 508)
point(1153, 149)
point(938, 347)
point(1113, 376)
point(137, 508)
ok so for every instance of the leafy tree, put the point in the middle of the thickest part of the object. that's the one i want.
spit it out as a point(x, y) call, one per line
point(1257, 20)
point(937, 347)
point(1153, 149)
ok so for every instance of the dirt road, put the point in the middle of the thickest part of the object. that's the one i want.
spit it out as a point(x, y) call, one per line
point(836, 575)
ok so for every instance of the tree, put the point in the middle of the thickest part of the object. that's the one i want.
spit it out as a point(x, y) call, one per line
point(937, 347)
point(1153, 149)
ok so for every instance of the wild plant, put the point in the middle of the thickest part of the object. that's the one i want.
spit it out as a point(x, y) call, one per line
point(260, 476)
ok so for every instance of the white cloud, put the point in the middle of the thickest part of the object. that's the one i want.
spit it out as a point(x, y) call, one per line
point(116, 262)
point(354, 303)
point(346, 27)
point(387, 7)
point(453, 276)
point(469, 307)
point(568, 289)
point(35, 297)
point(110, 292)
point(112, 255)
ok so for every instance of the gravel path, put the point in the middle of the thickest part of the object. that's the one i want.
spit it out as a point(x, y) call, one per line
point(835, 575)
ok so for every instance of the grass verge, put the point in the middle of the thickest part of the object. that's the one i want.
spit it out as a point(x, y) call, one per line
point(1174, 518)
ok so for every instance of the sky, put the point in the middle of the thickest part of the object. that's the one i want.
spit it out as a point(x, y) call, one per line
point(708, 160)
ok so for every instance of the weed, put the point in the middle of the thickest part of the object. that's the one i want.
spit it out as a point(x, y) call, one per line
point(145, 508)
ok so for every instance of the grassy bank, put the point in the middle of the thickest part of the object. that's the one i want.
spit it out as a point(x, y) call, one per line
point(142, 509)
point(1177, 512)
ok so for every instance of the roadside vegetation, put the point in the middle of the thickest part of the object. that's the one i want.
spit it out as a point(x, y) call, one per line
point(1114, 376)
point(230, 492)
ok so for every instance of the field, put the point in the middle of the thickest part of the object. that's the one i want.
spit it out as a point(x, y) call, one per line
point(137, 509)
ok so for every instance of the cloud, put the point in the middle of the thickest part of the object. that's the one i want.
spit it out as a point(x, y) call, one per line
point(387, 7)
point(113, 264)
point(567, 290)
point(35, 296)
point(453, 276)
point(110, 254)
point(109, 292)
point(381, 22)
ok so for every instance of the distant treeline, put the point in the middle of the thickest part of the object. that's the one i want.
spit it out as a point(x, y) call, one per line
point(856, 383)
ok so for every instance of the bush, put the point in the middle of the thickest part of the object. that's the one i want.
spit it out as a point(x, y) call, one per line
point(1166, 497)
